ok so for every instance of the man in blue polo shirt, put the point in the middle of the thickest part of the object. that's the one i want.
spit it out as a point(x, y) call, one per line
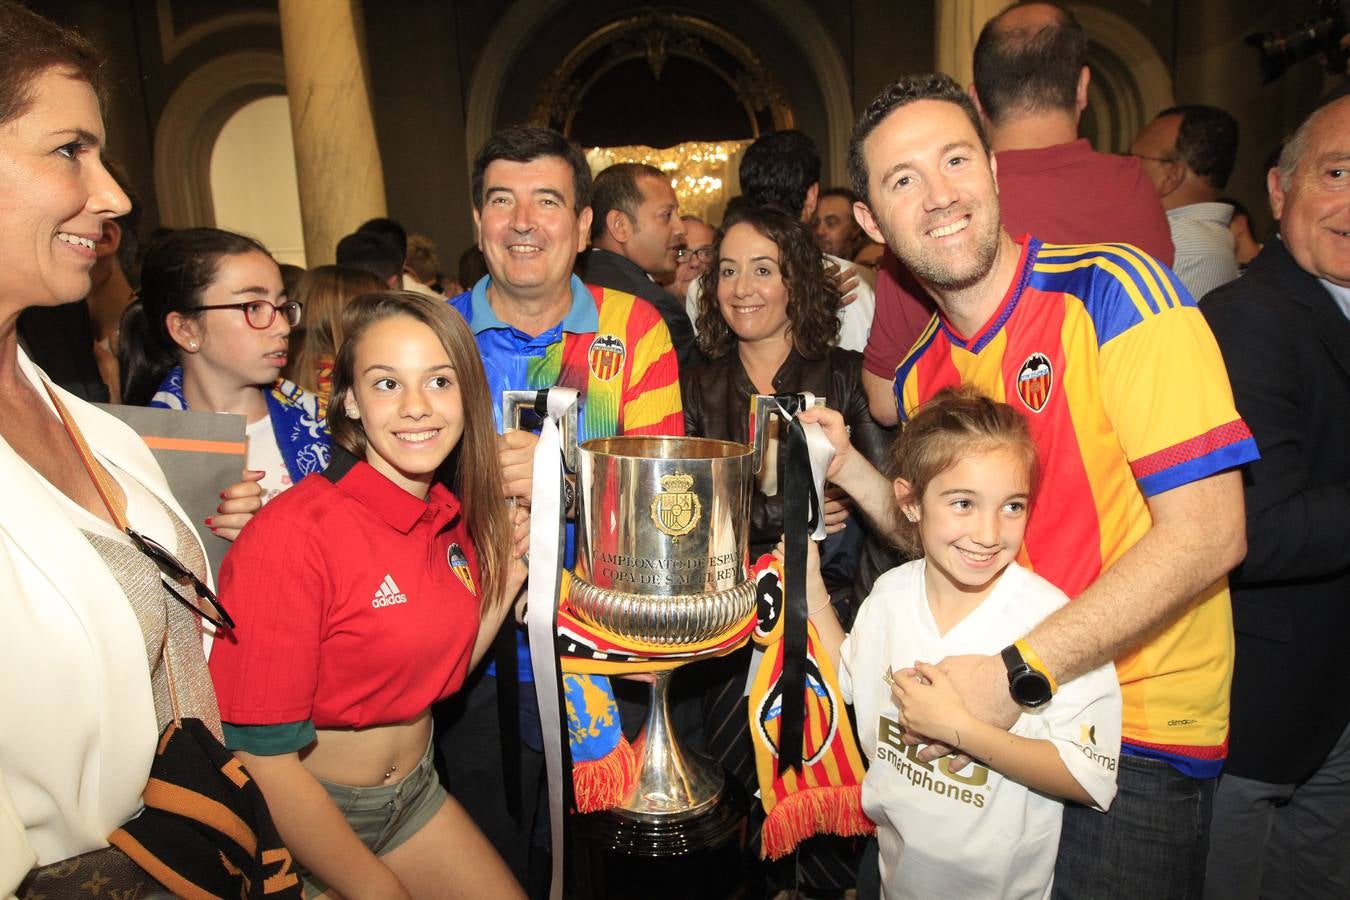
point(538, 326)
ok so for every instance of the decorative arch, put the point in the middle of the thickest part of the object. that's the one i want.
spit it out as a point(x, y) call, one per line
point(1130, 82)
point(524, 18)
point(655, 36)
point(191, 123)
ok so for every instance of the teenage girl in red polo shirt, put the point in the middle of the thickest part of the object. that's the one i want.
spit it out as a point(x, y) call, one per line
point(364, 595)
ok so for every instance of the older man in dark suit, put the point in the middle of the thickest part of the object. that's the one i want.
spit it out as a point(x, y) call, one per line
point(1281, 824)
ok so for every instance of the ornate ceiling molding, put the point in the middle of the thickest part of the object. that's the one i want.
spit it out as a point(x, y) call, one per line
point(172, 42)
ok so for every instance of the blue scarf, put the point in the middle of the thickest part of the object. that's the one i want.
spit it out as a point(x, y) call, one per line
point(302, 432)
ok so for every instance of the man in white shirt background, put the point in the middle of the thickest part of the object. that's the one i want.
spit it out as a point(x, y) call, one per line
point(1188, 152)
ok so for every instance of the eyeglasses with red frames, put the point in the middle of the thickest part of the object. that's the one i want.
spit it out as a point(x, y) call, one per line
point(261, 314)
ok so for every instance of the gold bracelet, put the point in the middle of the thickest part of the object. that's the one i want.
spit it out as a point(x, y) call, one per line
point(824, 606)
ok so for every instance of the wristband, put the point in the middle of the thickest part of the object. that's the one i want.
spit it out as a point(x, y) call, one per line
point(1031, 658)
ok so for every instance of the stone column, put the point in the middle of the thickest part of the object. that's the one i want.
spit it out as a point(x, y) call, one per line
point(958, 27)
point(337, 161)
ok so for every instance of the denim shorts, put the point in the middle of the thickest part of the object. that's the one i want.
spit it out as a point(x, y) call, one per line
point(386, 816)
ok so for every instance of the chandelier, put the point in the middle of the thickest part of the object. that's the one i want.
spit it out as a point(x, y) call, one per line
point(703, 173)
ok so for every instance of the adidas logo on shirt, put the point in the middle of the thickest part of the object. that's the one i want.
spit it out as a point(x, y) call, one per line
point(388, 594)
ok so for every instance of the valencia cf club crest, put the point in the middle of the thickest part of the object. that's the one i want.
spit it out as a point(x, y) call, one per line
point(1034, 381)
point(771, 707)
point(768, 600)
point(459, 564)
point(606, 356)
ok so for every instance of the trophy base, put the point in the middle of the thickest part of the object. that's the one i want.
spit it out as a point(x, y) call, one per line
point(616, 856)
point(621, 832)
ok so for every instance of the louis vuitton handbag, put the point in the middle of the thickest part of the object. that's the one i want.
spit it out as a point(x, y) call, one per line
point(205, 832)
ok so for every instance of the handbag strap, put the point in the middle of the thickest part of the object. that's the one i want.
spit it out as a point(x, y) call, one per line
point(115, 503)
point(112, 500)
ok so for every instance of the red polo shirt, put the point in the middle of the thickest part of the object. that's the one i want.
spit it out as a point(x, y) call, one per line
point(354, 603)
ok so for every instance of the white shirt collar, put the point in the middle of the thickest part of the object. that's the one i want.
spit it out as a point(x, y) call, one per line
point(1340, 294)
point(1218, 213)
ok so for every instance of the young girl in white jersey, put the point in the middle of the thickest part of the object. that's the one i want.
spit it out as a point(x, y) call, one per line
point(965, 478)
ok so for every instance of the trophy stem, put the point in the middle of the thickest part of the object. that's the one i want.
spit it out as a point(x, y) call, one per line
point(672, 783)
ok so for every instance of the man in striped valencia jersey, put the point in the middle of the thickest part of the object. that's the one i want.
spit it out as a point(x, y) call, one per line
point(538, 326)
point(1140, 515)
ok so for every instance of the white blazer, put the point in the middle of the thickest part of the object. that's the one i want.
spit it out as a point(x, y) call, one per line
point(77, 719)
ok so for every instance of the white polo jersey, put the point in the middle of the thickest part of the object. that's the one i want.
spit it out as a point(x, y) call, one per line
point(974, 833)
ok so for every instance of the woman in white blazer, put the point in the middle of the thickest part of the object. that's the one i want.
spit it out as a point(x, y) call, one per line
point(83, 693)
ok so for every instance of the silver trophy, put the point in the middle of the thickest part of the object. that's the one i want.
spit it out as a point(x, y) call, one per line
point(662, 558)
point(662, 531)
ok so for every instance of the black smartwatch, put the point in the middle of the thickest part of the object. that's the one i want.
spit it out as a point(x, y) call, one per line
point(1029, 687)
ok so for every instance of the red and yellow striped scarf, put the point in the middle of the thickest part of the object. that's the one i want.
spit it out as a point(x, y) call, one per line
point(823, 796)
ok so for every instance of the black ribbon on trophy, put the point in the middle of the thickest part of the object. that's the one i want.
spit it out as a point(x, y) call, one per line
point(803, 519)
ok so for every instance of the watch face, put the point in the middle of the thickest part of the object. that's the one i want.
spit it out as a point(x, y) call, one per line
point(1030, 688)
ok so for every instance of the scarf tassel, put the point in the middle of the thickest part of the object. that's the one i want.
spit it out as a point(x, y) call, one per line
point(832, 809)
point(602, 783)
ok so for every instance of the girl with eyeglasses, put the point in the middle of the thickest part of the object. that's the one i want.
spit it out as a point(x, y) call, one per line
point(211, 334)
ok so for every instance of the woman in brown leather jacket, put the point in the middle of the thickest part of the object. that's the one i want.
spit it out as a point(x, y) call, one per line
point(768, 324)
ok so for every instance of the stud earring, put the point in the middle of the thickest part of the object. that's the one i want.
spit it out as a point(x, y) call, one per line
point(353, 412)
point(192, 345)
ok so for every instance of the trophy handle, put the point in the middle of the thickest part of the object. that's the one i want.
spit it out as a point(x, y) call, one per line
point(764, 405)
point(514, 402)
